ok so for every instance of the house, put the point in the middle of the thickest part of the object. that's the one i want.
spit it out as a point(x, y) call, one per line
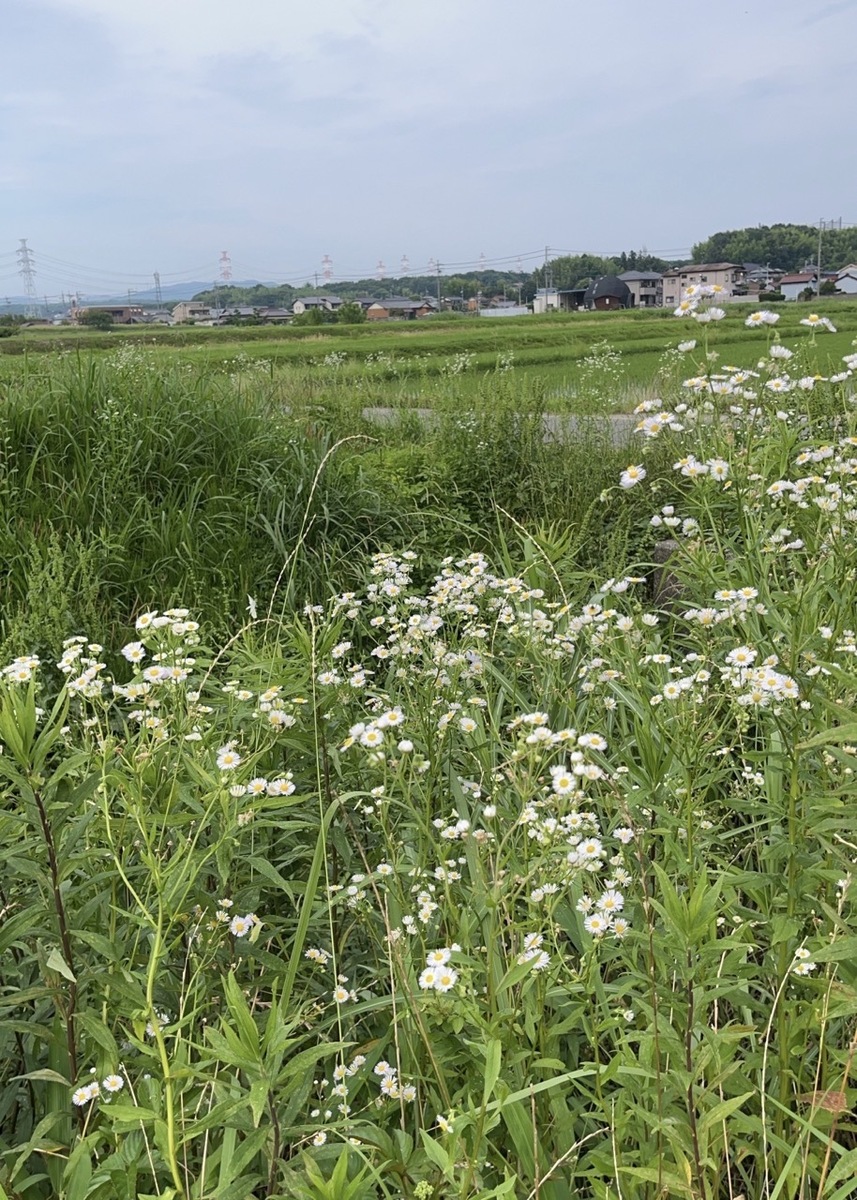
point(323, 303)
point(275, 316)
point(607, 293)
point(793, 286)
point(400, 308)
point(547, 300)
point(120, 314)
point(191, 310)
point(846, 280)
point(645, 288)
point(762, 279)
point(728, 279)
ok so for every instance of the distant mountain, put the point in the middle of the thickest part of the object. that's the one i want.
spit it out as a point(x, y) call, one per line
point(171, 294)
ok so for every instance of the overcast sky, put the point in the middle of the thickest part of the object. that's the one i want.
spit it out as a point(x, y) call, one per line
point(143, 135)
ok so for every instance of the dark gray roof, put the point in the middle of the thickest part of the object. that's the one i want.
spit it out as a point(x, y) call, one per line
point(610, 285)
point(629, 276)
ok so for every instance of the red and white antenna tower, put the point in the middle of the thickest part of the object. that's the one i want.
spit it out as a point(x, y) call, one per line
point(225, 266)
point(327, 268)
point(380, 269)
point(405, 265)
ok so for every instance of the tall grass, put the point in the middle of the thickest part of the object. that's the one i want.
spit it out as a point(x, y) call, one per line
point(127, 482)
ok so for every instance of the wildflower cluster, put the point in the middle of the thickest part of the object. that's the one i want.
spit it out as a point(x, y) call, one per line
point(111, 1085)
point(438, 975)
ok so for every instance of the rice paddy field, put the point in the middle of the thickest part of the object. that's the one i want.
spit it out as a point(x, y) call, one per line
point(581, 361)
point(430, 807)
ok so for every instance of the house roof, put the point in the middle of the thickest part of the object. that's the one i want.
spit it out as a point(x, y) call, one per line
point(802, 278)
point(400, 304)
point(610, 285)
point(851, 269)
point(696, 268)
point(638, 276)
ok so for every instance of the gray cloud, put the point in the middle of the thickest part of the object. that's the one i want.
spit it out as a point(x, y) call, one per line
point(153, 135)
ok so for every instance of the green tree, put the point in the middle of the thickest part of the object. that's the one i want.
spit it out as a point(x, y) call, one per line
point(351, 313)
point(788, 247)
point(96, 318)
point(313, 316)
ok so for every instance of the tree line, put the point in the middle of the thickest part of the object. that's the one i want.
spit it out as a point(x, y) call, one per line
point(785, 247)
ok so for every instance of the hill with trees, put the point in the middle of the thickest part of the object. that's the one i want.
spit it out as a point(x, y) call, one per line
point(466, 286)
point(787, 247)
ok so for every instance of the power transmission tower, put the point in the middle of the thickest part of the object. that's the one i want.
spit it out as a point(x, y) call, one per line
point(327, 268)
point(380, 270)
point(159, 299)
point(225, 266)
point(27, 271)
point(405, 265)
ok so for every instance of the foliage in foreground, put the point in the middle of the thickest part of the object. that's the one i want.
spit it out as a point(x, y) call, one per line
point(125, 482)
point(482, 887)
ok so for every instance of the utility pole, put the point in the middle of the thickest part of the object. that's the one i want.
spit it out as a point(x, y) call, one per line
point(818, 264)
point(159, 299)
point(27, 271)
point(438, 286)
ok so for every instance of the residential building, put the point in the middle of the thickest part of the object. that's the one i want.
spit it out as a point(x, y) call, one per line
point(793, 286)
point(846, 280)
point(191, 310)
point(400, 308)
point(120, 314)
point(762, 279)
point(325, 303)
point(645, 288)
point(607, 293)
point(546, 300)
point(727, 278)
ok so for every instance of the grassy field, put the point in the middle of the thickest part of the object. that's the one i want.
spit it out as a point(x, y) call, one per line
point(382, 820)
point(572, 358)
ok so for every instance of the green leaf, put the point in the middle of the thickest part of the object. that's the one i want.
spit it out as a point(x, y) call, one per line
point(56, 962)
point(722, 1110)
point(258, 1099)
point(78, 1173)
point(842, 733)
point(121, 1113)
point(845, 947)
point(493, 1058)
point(46, 1075)
point(241, 1015)
point(664, 1177)
point(436, 1153)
